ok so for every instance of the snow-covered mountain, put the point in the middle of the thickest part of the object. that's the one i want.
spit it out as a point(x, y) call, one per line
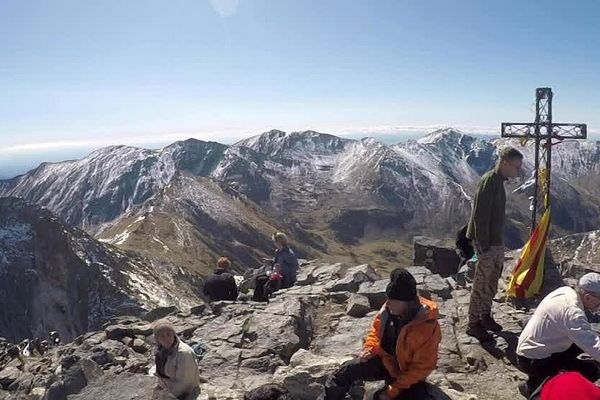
point(579, 249)
point(54, 277)
point(329, 192)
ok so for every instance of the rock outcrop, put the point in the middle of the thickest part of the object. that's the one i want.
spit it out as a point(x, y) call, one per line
point(295, 341)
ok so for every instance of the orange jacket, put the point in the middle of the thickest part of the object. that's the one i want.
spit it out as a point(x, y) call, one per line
point(416, 347)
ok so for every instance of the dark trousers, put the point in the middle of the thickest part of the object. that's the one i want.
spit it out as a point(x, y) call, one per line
point(539, 370)
point(371, 369)
point(289, 279)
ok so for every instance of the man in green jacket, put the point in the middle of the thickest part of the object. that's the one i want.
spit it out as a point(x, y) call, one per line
point(486, 229)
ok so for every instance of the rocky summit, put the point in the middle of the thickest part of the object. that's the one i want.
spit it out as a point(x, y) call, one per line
point(303, 334)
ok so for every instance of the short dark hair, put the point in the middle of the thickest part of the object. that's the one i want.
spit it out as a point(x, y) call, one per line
point(224, 263)
point(510, 153)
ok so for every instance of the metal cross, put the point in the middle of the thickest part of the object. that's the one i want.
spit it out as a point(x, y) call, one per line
point(543, 131)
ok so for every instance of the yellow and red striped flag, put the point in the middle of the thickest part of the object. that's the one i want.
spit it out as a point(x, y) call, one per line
point(528, 274)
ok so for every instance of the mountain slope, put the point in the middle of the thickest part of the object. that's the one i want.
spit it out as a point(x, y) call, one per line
point(53, 277)
point(333, 195)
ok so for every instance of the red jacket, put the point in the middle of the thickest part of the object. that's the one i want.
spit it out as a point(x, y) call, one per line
point(570, 386)
point(416, 348)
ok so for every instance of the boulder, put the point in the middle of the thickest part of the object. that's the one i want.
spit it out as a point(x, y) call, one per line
point(159, 313)
point(358, 306)
point(435, 255)
point(125, 386)
point(139, 346)
point(119, 331)
point(428, 283)
point(8, 376)
point(352, 279)
point(306, 375)
point(198, 310)
point(375, 292)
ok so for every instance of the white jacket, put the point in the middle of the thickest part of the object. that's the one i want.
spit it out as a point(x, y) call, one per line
point(182, 369)
point(557, 323)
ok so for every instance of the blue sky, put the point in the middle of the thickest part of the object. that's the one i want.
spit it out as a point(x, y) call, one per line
point(87, 73)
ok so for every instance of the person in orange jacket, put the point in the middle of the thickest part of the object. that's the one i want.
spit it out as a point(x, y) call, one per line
point(401, 347)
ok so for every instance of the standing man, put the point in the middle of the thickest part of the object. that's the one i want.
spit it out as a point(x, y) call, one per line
point(486, 229)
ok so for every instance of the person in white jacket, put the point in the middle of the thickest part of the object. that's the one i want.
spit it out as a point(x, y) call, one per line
point(558, 332)
point(175, 363)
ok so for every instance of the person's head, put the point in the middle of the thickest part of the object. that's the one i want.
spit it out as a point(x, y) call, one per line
point(510, 161)
point(224, 263)
point(401, 292)
point(164, 333)
point(589, 291)
point(280, 239)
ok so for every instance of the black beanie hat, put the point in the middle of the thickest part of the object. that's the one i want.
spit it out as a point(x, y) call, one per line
point(402, 286)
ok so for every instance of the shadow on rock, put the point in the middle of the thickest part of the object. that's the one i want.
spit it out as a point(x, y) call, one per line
point(508, 351)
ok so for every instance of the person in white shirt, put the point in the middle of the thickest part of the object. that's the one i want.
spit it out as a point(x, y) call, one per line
point(559, 331)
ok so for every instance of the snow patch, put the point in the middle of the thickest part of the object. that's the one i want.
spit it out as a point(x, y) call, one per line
point(121, 238)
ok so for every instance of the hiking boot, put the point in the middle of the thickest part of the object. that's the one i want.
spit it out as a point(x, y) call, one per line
point(479, 332)
point(487, 322)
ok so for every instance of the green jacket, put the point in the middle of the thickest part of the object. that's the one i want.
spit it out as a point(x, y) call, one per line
point(486, 225)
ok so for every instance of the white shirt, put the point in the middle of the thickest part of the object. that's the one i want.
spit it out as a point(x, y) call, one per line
point(557, 323)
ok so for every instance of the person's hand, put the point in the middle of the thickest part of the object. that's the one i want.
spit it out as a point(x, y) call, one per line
point(366, 354)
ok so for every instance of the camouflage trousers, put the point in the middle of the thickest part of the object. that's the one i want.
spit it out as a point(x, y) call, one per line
point(485, 283)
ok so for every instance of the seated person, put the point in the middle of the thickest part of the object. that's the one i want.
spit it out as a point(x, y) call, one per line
point(275, 281)
point(567, 386)
point(558, 332)
point(401, 348)
point(267, 284)
point(175, 363)
point(221, 284)
point(285, 257)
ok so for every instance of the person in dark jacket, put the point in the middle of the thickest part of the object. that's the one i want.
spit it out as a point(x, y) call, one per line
point(464, 246)
point(221, 284)
point(486, 229)
point(285, 257)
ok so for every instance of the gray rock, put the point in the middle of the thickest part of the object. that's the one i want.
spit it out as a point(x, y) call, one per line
point(435, 284)
point(57, 391)
point(139, 346)
point(198, 310)
point(358, 306)
point(118, 332)
point(353, 278)
point(435, 255)
point(8, 376)
point(23, 383)
point(124, 387)
point(339, 297)
point(375, 292)
point(306, 375)
point(159, 313)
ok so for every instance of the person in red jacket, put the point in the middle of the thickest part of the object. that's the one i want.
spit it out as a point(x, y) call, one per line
point(568, 386)
point(400, 349)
